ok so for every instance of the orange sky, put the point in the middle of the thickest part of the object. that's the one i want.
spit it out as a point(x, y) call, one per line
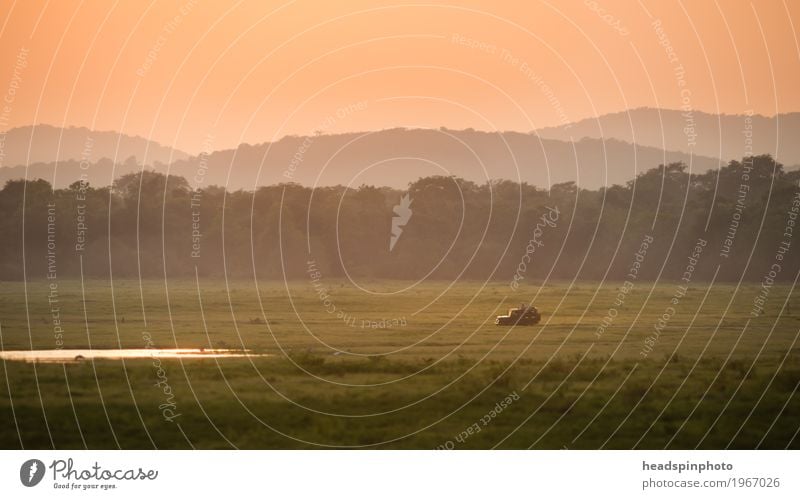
point(257, 70)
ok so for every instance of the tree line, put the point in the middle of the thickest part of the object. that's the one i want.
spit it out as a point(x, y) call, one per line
point(151, 225)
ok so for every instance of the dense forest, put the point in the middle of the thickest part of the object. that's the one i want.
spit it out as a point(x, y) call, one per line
point(151, 225)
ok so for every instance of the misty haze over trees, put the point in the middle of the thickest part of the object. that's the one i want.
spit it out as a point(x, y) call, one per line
point(594, 152)
point(143, 225)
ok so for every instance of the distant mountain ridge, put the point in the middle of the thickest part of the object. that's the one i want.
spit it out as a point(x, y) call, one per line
point(721, 136)
point(28, 145)
point(591, 152)
point(396, 157)
point(393, 158)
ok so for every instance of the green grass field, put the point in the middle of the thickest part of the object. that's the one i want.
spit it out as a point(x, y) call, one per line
point(416, 368)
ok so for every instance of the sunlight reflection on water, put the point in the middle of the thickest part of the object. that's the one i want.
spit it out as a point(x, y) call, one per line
point(64, 356)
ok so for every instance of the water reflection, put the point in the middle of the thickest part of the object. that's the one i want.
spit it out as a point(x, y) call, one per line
point(70, 356)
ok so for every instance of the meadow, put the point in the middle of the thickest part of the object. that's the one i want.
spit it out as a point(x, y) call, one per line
point(402, 365)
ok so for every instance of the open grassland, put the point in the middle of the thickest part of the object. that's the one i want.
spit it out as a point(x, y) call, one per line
point(420, 367)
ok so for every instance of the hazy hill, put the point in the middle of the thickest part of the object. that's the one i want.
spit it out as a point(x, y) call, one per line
point(49, 144)
point(394, 158)
point(399, 156)
point(716, 135)
point(63, 173)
